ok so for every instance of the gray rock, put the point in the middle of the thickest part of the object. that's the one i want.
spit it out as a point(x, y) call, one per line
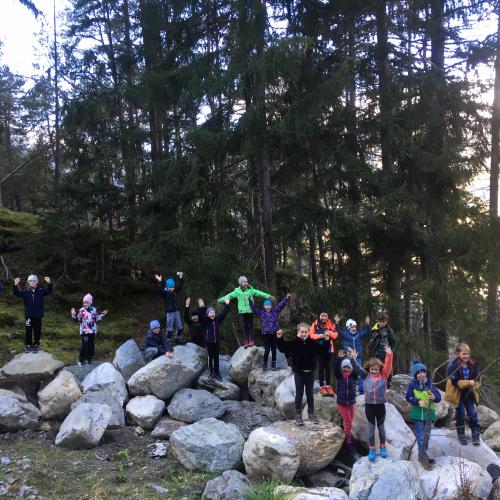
point(224, 361)
point(231, 485)
point(325, 408)
point(192, 405)
point(30, 369)
point(84, 426)
point(486, 416)
point(165, 427)
point(326, 478)
point(243, 361)
point(159, 489)
point(16, 414)
point(106, 378)
point(495, 490)
point(99, 397)
point(208, 445)
point(223, 389)
point(262, 384)
point(284, 397)
point(128, 359)
point(163, 377)
point(145, 411)
point(298, 493)
point(56, 398)
point(491, 436)
point(4, 460)
point(12, 394)
point(80, 372)
point(158, 450)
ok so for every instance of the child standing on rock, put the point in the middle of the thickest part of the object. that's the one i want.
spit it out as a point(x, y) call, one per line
point(375, 375)
point(423, 396)
point(173, 315)
point(382, 336)
point(87, 317)
point(243, 293)
point(269, 320)
point(34, 309)
point(192, 318)
point(303, 350)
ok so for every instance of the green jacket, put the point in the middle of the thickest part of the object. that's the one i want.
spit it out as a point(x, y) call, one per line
point(243, 297)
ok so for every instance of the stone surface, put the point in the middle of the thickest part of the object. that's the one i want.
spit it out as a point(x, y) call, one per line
point(284, 397)
point(56, 398)
point(84, 426)
point(11, 394)
point(231, 485)
point(321, 493)
point(145, 411)
point(326, 478)
point(223, 389)
point(101, 397)
point(16, 414)
point(163, 377)
point(128, 359)
point(486, 416)
point(495, 490)
point(158, 450)
point(192, 405)
point(243, 361)
point(491, 436)
point(325, 408)
point(80, 372)
point(31, 368)
point(224, 361)
point(208, 445)
point(106, 378)
point(262, 384)
point(165, 426)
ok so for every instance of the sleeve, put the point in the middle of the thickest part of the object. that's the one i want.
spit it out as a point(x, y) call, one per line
point(74, 317)
point(392, 339)
point(16, 290)
point(453, 373)
point(187, 317)
point(336, 367)
point(334, 333)
point(463, 384)
point(410, 397)
point(164, 345)
point(437, 394)
point(259, 293)
point(281, 305)
point(366, 331)
point(79, 317)
point(361, 371)
point(230, 295)
point(254, 308)
point(284, 346)
point(312, 332)
point(48, 290)
point(222, 316)
point(387, 369)
point(99, 316)
point(180, 285)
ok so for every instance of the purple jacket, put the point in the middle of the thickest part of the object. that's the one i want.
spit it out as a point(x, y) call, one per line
point(269, 320)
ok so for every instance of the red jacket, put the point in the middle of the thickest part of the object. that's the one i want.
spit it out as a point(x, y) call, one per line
point(329, 328)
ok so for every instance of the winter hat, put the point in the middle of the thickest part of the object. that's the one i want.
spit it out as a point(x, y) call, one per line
point(417, 367)
point(242, 279)
point(88, 298)
point(323, 309)
point(32, 277)
point(154, 324)
point(346, 364)
point(210, 309)
point(170, 283)
point(268, 303)
point(349, 323)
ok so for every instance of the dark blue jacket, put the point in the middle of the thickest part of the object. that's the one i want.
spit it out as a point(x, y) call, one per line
point(170, 298)
point(157, 340)
point(346, 388)
point(33, 300)
point(353, 341)
point(211, 327)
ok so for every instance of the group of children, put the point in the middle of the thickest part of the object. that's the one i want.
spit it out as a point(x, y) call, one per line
point(311, 350)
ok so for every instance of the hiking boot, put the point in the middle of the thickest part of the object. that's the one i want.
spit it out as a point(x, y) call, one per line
point(273, 366)
point(313, 417)
point(475, 438)
point(383, 452)
point(27, 348)
point(85, 363)
point(461, 435)
point(178, 339)
point(264, 366)
point(36, 348)
point(79, 363)
point(330, 391)
point(323, 391)
point(245, 344)
point(217, 377)
point(251, 343)
point(431, 461)
point(211, 375)
point(298, 417)
point(372, 454)
point(425, 463)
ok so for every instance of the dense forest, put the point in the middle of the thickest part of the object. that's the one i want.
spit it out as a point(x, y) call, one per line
point(323, 147)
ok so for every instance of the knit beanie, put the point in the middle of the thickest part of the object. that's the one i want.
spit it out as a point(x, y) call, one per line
point(323, 309)
point(170, 283)
point(88, 298)
point(346, 364)
point(154, 324)
point(242, 279)
point(32, 277)
point(268, 303)
point(210, 309)
point(417, 367)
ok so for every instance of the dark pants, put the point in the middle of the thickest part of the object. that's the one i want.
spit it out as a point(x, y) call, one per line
point(304, 380)
point(88, 348)
point(389, 378)
point(33, 325)
point(324, 368)
point(213, 349)
point(269, 345)
point(468, 406)
point(247, 321)
point(422, 439)
point(375, 414)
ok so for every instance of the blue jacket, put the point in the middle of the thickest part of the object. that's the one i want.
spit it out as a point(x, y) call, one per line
point(33, 300)
point(353, 341)
point(346, 388)
point(157, 340)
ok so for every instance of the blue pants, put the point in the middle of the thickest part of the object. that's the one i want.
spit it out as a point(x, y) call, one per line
point(469, 407)
point(423, 445)
point(174, 321)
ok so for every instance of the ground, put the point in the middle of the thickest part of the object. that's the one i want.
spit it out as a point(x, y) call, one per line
point(119, 468)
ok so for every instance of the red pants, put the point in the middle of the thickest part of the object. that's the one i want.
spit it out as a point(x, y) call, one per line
point(347, 415)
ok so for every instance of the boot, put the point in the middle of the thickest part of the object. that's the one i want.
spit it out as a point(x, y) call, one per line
point(298, 417)
point(264, 366)
point(461, 434)
point(475, 437)
point(425, 462)
point(313, 417)
point(273, 366)
point(330, 391)
point(323, 391)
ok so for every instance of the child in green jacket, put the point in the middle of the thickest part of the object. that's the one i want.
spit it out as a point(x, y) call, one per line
point(243, 293)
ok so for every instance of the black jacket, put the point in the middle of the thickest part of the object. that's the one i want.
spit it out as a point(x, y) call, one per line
point(34, 303)
point(196, 330)
point(211, 327)
point(157, 340)
point(346, 389)
point(170, 298)
point(303, 352)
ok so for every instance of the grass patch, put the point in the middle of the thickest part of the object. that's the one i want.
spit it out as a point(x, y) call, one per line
point(265, 491)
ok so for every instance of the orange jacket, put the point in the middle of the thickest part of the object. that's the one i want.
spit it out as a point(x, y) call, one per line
point(314, 332)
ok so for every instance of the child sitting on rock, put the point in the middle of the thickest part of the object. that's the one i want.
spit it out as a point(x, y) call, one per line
point(303, 350)
point(269, 321)
point(87, 317)
point(155, 344)
point(423, 396)
point(173, 316)
point(462, 391)
point(346, 370)
point(192, 318)
point(212, 337)
point(375, 376)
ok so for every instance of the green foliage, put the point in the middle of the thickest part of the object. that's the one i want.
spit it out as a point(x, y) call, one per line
point(264, 491)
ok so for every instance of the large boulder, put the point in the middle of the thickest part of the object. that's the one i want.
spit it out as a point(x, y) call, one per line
point(80, 372)
point(163, 376)
point(262, 384)
point(400, 440)
point(444, 442)
point(145, 411)
point(208, 445)
point(320, 493)
point(56, 398)
point(270, 453)
point(486, 416)
point(106, 378)
point(84, 426)
point(325, 408)
point(117, 419)
point(224, 361)
point(165, 426)
point(231, 485)
point(249, 415)
point(31, 368)
point(128, 359)
point(491, 436)
point(243, 361)
point(192, 405)
point(16, 413)
point(224, 389)
point(21, 396)
point(284, 397)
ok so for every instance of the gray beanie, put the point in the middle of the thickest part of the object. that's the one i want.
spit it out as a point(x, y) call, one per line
point(346, 364)
point(241, 279)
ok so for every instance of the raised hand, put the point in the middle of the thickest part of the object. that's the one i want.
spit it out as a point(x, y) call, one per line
point(388, 350)
point(336, 318)
point(180, 274)
point(188, 301)
point(158, 277)
point(288, 296)
point(272, 298)
point(201, 302)
point(367, 320)
point(227, 301)
point(46, 279)
point(353, 354)
point(17, 281)
point(279, 333)
point(105, 312)
point(73, 311)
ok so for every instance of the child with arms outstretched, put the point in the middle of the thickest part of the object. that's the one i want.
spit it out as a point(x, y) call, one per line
point(173, 316)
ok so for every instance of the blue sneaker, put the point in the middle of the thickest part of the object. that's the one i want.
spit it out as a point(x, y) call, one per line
point(383, 452)
point(372, 455)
